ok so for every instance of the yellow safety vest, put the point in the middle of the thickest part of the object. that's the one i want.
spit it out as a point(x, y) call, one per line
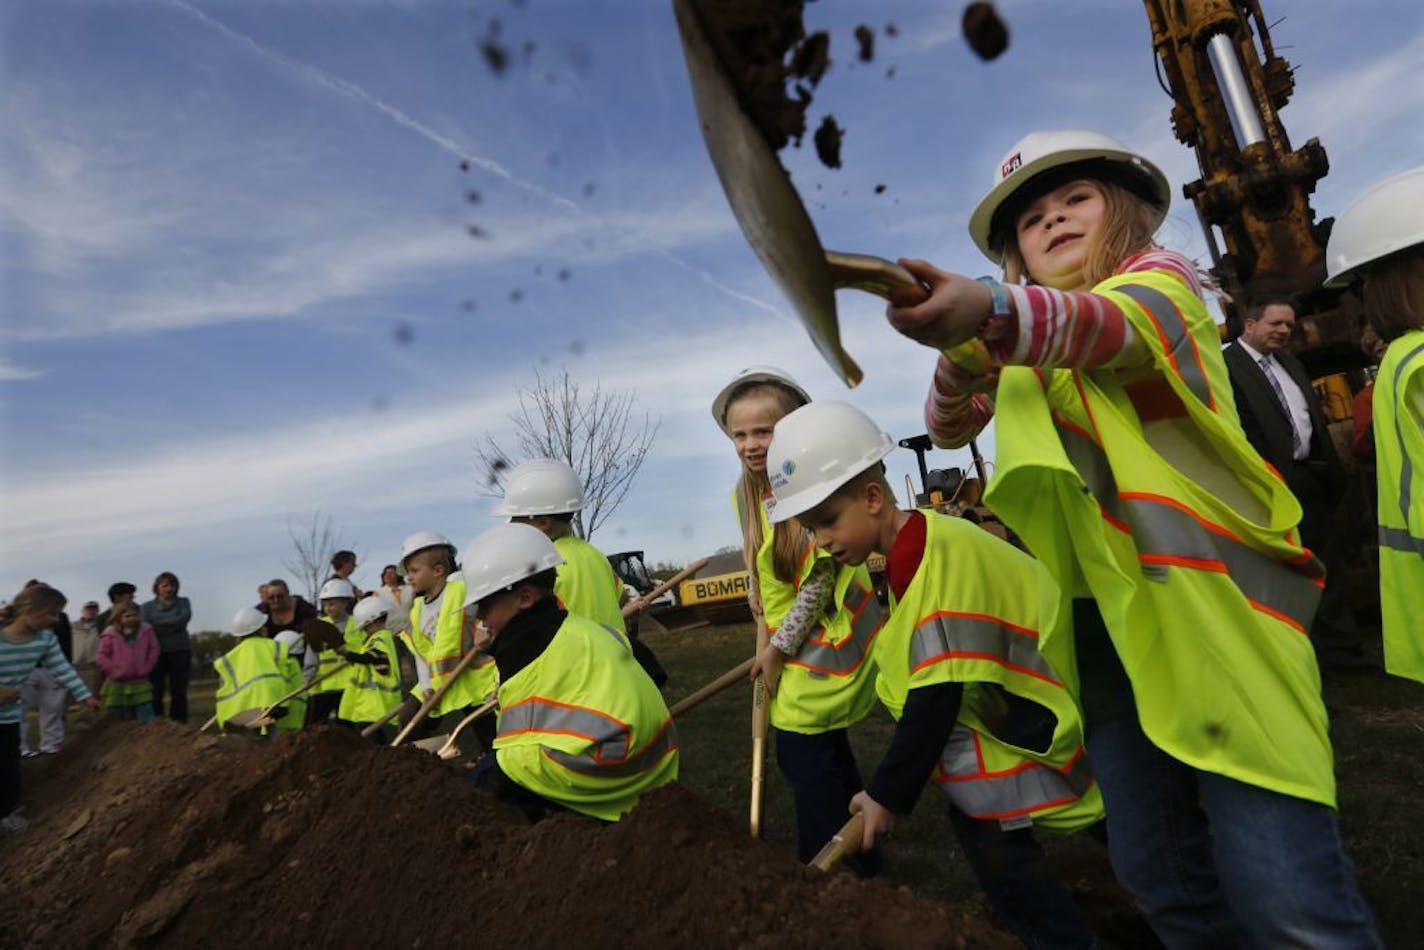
point(371, 694)
point(975, 613)
point(1207, 608)
point(830, 682)
point(329, 659)
point(1399, 461)
point(254, 675)
point(453, 639)
point(586, 584)
point(584, 726)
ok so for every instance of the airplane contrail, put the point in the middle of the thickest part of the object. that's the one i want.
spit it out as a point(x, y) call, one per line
point(353, 91)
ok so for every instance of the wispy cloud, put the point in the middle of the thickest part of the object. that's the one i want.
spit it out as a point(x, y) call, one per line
point(10, 373)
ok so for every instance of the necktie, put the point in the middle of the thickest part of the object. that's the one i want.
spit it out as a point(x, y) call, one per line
point(1281, 395)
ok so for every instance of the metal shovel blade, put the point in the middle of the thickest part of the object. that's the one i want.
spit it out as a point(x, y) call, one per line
point(432, 744)
point(765, 203)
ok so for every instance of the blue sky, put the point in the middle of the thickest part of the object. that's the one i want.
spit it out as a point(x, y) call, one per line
point(215, 216)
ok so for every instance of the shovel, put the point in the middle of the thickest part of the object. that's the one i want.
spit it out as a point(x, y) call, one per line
point(444, 746)
point(644, 601)
point(760, 717)
point(843, 843)
point(407, 706)
point(730, 678)
point(774, 221)
point(436, 696)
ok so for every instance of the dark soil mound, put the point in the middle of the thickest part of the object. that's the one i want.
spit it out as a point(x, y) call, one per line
point(155, 835)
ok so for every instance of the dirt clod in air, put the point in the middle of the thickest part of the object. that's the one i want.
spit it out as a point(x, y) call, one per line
point(578, 347)
point(404, 332)
point(828, 142)
point(891, 30)
point(589, 188)
point(464, 165)
point(865, 37)
point(472, 196)
point(475, 231)
point(812, 57)
point(880, 189)
point(564, 275)
point(986, 33)
point(496, 56)
point(516, 295)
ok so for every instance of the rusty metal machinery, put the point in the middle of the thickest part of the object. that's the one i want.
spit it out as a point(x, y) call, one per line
point(1227, 83)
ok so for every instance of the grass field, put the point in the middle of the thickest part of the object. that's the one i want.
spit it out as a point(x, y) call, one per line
point(1378, 731)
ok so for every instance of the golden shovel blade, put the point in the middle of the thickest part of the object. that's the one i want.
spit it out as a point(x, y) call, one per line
point(432, 744)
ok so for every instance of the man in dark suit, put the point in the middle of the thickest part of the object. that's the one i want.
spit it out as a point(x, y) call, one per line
point(1281, 415)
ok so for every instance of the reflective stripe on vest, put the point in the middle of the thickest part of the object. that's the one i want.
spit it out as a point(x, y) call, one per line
point(239, 687)
point(1026, 788)
point(609, 755)
point(1168, 534)
point(1399, 539)
point(1177, 340)
point(949, 634)
point(841, 659)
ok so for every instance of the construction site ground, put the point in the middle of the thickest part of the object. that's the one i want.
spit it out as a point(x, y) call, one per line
point(155, 835)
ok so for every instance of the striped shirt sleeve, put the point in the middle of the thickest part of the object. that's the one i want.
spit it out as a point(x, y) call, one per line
point(812, 598)
point(1076, 330)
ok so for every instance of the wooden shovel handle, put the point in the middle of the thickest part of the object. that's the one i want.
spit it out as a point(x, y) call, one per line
point(304, 687)
point(730, 678)
point(760, 725)
point(632, 607)
point(482, 710)
point(435, 697)
point(370, 730)
point(844, 842)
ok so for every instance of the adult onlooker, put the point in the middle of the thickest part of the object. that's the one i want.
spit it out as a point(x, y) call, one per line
point(44, 693)
point(169, 615)
point(120, 594)
point(343, 565)
point(397, 591)
point(85, 638)
point(1362, 443)
point(284, 610)
point(1282, 417)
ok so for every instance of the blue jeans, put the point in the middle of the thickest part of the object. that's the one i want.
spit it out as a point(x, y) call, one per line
point(1210, 860)
point(142, 712)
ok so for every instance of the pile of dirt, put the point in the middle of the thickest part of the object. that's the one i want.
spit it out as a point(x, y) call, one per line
point(155, 835)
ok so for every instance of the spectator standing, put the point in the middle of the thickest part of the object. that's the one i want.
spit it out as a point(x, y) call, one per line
point(85, 640)
point(27, 640)
point(44, 694)
point(120, 593)
point(395, 589)
point(128, 653)
point(286, 612)
point(343, 565)
point(169, 614)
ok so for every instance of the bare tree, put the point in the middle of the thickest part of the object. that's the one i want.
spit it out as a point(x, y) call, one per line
point(595, 431)
point(312, 548)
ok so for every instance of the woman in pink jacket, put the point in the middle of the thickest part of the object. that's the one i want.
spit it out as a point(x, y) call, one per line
point(128, 651)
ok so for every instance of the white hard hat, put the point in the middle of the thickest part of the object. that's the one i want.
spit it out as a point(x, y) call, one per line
point(754, 374)
point(541, 487)
point(504, 555)
point(817, 449)
point(372, 608)
point(1040, 152)
point(248, 621)
point(422, 540)
point(1383, 220)
point(295, 643)
point(335, 588)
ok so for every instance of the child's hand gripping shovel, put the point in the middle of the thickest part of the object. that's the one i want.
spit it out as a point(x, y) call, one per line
point(436, 696)
point(842, 844)
point(644, 601)
point(445, 746)
point(771, 215)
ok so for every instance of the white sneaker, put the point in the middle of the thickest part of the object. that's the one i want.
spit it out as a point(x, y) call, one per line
point(28, 753)
point(13, 823)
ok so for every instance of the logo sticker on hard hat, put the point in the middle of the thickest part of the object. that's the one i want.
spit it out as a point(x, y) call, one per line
point(1010, 166)
point(788, 468)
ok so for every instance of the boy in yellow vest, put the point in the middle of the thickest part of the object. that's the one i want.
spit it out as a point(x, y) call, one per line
point(979, 708)
point(547, 493)
point(442, 633)
point(336, 597)
point(256, 673)
point(373, 689)
point(580, 726)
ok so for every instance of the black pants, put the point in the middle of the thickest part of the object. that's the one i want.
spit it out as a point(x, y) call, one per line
point(322, 706)
point(172, 670)
point(823, 775)
point(9, 767)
